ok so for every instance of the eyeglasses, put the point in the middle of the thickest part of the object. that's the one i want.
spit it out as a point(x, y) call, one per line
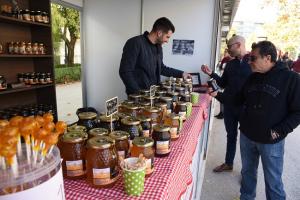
point(253, 58)
point(230, 45)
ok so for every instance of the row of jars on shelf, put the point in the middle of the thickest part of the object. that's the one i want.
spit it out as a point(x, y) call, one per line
point(3, 83)
point(24, 48)
point(26, 110)
point(25, 14)
point(33, 78)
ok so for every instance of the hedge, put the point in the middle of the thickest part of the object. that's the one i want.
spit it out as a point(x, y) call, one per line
point(64, 74)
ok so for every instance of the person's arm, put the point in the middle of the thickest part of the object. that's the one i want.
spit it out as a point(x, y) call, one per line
point(127, 66)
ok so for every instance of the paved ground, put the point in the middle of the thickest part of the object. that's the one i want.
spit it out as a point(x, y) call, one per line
point(225, 186)
point(69, 99)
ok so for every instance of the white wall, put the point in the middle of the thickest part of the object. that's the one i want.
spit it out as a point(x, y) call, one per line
point(78, 3)
point(193, 20)
point(107, 24)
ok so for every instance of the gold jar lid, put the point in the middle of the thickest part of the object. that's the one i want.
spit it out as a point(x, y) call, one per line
point(87, 115)
point(74, 137)
point(148, 98)
point(152, 109)
point(145, 92)
point(98, 132)
point(161, 104)
point(145, 103)
point(167, 86)
point(166, 99)
point(173, 93)
point(132, 107)
point(103, 118)
point(135, 96)
point(181, 103)
point(121, 115)
point(160, 92)
point(161, 128)
point(157, 87)
point(130, 121)
point(100, 142)
point(143, 118)
point(76, 128)
point(126, 102)
point(143, 142)
point(119, 135)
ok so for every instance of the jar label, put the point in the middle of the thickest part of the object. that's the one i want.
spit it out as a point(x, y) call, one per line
point(146, 133)
point(102, 176)
point(121, 155)
point(174, 132)
point(162, 147)
point(74, 168)
point(149, 166)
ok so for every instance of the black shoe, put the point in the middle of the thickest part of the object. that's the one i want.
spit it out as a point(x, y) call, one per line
point(219, 116)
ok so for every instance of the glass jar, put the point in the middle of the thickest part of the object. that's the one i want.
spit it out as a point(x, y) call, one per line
point(132, 109)
point(105, 122)
point(28, 48)
point(75, 128)
point(72, 148)
point(41, 49)
point(144, 104)
point(185, 98)
point(136, 98)
point(169, 102)
point(1, 49)
point(144, 145)
point(35, 48)
point(167, 88)
point(22, 48)
point(98, 132)
point(163, 106)
point(42, 78)
point(26, 15)
point(38, 16)
point(16, 48)
point(11, 48)
point(145, 125)
point(87, 119)
point(3, 84)
point(26, 78)
point(154, 113)
point(20, 77)
point(132, 126)
point(162, 140)
point(48, 78)
point(173, 121)
point(180, 109)
point(101, 162)
point(32, 79)
point(45, 17)
point(120, 116)
point(180, 90)
point(149, 99)
point(32, 14)
point(122, 143)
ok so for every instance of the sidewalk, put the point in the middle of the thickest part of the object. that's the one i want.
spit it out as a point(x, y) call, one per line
point(225, 186)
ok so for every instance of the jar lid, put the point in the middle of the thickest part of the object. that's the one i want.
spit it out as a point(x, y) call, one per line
point(152, 109)
point(161, 104)
point(119, 135)
point(132, 106)
point(173, 93)
point(161, 92)
point(98, 132)
point(130, 121)
point(143, 141)
point(173, 116)
point(126, 102)
point(135, 96)
point(145, 91)
point(148, 97)
point(181, 103)
point(87, 115)
point(166, 99)
point(180, 88)
point(167, 86)
point(100, 142)
point(74, 137)
point(103, 118)
point(145, 103)
point(77, 128)
point(143, 118)
point(121, 115)
point(161, 128)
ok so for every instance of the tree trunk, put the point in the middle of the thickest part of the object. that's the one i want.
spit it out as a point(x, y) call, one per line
point(71, 48)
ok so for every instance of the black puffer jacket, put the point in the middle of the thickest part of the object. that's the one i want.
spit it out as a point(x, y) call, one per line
point(270, 101)
point(142, 64)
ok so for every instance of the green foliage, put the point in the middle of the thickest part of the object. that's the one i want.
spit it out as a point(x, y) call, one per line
point(66, 74)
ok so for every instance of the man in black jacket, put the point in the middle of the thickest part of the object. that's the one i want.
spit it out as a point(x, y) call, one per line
point(235, 74)
point(142, 58)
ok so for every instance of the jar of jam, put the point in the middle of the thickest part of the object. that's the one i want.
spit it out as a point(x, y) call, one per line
point(45, 17)
point(122, 143)
point(105, 122)
point(16, 48)
point(180, 109)
point(87, 119)
point(35, 48)
point(173, 121)
point(28, 48)
point(20, 14)
point(32, 79)
point(38, 16)
point(26, 78)
point(1, 49)
point(72, 148)
point(145, 92)
point(144, 104)
point(11, 47)
point(154, 113)
point(42, 78)
point(3, 84)
point(120, 116)
point(48, 78)
point(101, 162)
point(26, 15)
point(22, 48)
point(132, 109)
point(169, 102)
point(20, 77)
point(32, 14)
point(144, 145)
point(98, 132)
point(41, 49)
point(136, 98)
point(146, 125)
point(162, 140)
point(164, 107)
point(76, 128)
point(132, 126)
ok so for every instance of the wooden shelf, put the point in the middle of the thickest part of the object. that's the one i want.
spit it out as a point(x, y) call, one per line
point(24, 56)
point(27, 88)
point(12, 20)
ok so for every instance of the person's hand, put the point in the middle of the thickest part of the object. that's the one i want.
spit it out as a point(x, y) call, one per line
point(206, 69)
point(186, 75)
point(211, 92)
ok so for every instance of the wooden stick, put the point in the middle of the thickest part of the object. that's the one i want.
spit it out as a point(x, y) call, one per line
point(111, 126)
point(19, 147)
point(2, 163)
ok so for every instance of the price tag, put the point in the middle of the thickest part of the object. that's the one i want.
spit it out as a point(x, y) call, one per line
point(111, 106)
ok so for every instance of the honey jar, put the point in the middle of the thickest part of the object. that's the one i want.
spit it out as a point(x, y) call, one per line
point(149, 99)
point(180, 109)
point(169, 102)
point(76, 128)
point(122, 106)
point(105, 122)
point(122, 143)
point(101, 162)
point(163, 107)
point(144, 145)
point(72, 149)
point(98, 132)
point(144, 103)
point(132, 109)
point(132, 126)
point(136, 98)
point(154, 113)
point(162, 140)
point(87, 119)
point(173, 121)
point(146, 125)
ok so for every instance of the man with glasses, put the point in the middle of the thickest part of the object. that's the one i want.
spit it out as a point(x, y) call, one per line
point(235, 74)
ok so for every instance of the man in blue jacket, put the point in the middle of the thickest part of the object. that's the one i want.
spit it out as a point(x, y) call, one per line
point(142, 59)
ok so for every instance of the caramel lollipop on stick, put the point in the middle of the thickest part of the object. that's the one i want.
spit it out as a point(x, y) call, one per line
point(15, 122)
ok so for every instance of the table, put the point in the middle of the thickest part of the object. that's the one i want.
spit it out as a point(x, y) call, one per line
point(171, 175)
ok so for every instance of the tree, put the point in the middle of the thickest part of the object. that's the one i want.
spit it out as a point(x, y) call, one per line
point(65, 27)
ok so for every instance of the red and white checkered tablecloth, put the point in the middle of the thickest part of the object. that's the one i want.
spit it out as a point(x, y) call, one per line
point(171, 175)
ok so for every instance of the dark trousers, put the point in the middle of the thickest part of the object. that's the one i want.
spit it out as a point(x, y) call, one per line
point(231, 119)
